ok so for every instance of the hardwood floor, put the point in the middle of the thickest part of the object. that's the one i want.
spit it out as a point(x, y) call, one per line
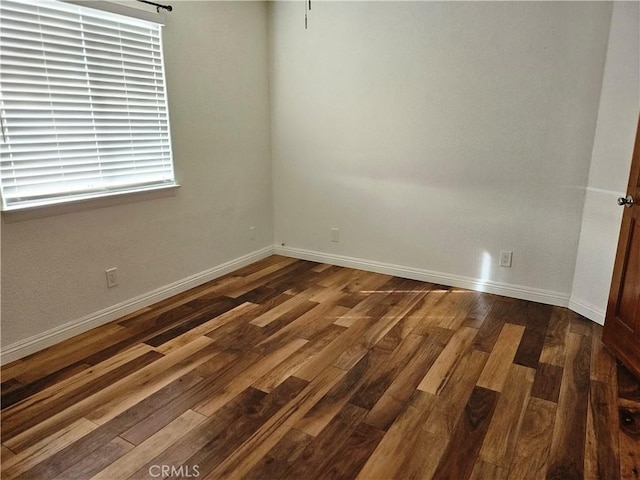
point(293, 369)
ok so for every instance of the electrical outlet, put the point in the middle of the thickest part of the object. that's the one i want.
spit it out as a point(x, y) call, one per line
point(112, 277)
point(506, 258)
point(335, 235)
point(252, 233)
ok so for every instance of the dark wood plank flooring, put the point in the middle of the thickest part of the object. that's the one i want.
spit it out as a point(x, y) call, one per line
point(299, 370)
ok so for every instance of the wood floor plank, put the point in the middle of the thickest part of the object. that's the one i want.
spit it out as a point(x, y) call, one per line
point(125, 393)
point(316, 325)
point(499, 362)
point(297, 282)
point(24, 417)
point(158, 329)
point(476, 314)
point(570, 425)
point(216, 364)
point(460, 456)
point(75, 452)
point(62, 387)
point(537, 317)
point(21, 391)
point(340, 278)
point(501, 311)
point(45, 448)
point(270, 275)
point(215, 308)
point(206, 328)
point(13, 369)
point(147, 426)
point(628, 385)
point(261, 265)
point(315, 457)
point(333, 350)
point(432, 448)
point(274, 341)
point(299, 370)
point(189, 445)
point(423, 314)
point(9, 385)
point(399, 332)
point(363, 286)
point(377, 330)
point(150, 322)
point(268, 435)
point(391, 458)
point(200, 392)
point(547, 382)
point(602, 460)
point(603, 364)
point(373, 387)
point(220, 285)
point(484, 470)
point(553, 350)
point(258, 295)
point(281, 457)
point(442, 307)
point(453, 399)
point(240, 335)
point(96, 461)
point(580, 325)
point(216, 400)
point(347, 462)
point(5, 454)
point(462, 301)
point(69, 352)
point(439, 374)
point(130, 462)
point(369, 305)
point(265, 267)
point(325, 295)
point(317, 418)
point(236, 433)
point(629, 436)
point(499, 444)
point(534, 441)
point(394, 399)
point(590, 445)
point(530, 348)
point(267, 317)
point(290, 365)
point(307, 322)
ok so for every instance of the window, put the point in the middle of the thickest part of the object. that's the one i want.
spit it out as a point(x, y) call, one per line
point(83, 104)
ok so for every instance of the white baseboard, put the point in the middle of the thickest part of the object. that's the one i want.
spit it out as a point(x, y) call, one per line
point(45, 339)
point(516, 291)
point(587, 310)
point(38, 342)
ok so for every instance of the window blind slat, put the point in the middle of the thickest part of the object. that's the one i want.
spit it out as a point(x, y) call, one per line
point(83, 104)
point(86, 173)
point(35, 30)
point(60, 14)
point(101, 63)
point(87, 165)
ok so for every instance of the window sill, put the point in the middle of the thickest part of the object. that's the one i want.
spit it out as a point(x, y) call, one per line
point(32, 212)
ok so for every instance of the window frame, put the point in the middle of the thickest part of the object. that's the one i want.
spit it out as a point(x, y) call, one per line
point(62, 198)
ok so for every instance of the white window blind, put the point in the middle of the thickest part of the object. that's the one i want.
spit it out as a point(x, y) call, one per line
point(82, 103)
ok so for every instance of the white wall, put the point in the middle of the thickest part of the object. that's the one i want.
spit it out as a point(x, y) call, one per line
point(434, 135)
point(611, 160)
point(53, 266)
